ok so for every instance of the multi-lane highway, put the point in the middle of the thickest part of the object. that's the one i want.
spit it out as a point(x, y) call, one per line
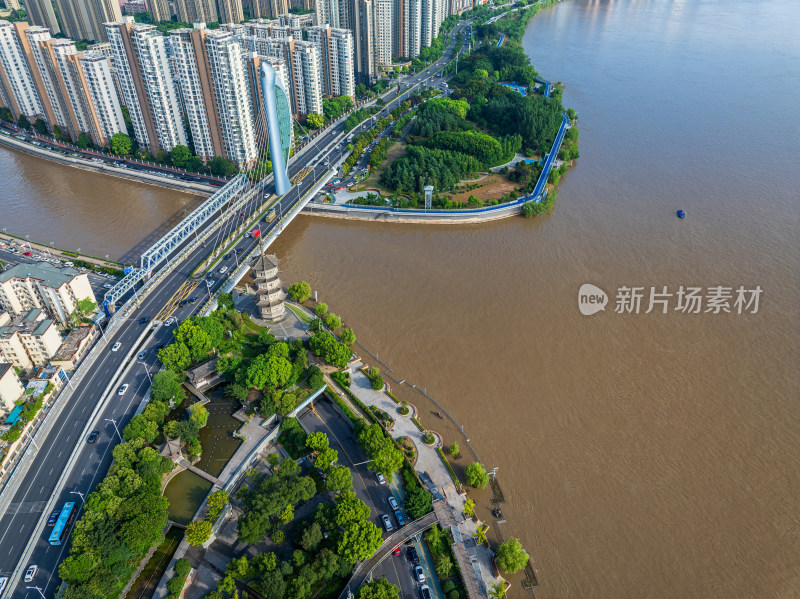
point(21, 520)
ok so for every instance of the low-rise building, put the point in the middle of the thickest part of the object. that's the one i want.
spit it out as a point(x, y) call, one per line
point(28, 339)
point(42, 285)
point(74, 347)
point(43, 378)
point(11, 388)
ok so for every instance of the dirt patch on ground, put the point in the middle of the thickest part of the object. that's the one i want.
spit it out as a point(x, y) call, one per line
point(491, 188)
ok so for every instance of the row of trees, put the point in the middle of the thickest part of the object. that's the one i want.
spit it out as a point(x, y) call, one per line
point(421, 166)
point(488, 150)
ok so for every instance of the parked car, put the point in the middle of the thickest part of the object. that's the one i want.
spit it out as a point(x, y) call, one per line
point(393, 503)
point(108, 286)
point(425, 592)
point(31, 572)
point(387, 523)
point(412, 555)
point(26, 254)
point(419, 573)
point(381, 478)
point(123, 389)
point(92, 436)
point(399, 516)
point(53, 517)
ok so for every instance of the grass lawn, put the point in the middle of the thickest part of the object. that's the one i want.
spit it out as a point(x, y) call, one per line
point(394, 152)
point(145, 584)
point(301, 314)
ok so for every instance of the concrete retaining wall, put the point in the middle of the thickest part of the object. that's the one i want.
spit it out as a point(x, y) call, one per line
point(436, 217)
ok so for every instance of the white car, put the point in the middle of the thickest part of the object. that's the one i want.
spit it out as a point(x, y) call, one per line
point(31, 572)
point(387, 524)
point(116, 347)
point(419, 573)
point(393, 503)
point(108, 286)
point(3, 583)
point(223, 270)
point(381, 478)
point(123, 389)
point(170, 321)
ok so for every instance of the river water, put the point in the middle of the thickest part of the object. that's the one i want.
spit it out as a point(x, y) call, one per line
point(641, 455)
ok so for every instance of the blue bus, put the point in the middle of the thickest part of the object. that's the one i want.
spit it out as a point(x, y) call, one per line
point(63, 523)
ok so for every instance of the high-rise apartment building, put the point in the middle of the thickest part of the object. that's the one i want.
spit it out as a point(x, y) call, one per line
point(412, 28)
point(233, 103)
point(83, 19)
point(383, 31)
point(40, 12)
point(305, 80)
point(18, 90)
point(96, 93)
point(191, 11)
point(230, 11)
point(335, 49)
point(159, 10)
point(148, 88)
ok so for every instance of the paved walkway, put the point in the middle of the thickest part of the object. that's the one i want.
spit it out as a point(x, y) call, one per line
point(289, 327)
point(430, 463)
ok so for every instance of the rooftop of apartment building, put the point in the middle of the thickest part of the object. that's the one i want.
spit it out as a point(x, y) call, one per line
point(44, 272)
point(31, 322)
point(72, 343)
point(4, 368)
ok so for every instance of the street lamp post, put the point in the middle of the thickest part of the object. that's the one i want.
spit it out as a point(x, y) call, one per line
point(114, 422)
point(147, 372)
point(37, 589)
point(79, 494)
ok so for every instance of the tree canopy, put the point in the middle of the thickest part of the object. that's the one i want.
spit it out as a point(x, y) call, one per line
point(511, 557)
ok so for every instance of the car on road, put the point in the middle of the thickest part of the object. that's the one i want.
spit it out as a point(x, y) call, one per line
point(107, 286)
point(399, 517)
point(144, 320)
point(412, 555)
point(419, 573)
point(92, 436)
point(3, 583)
point(170, 321)
point(226, 257)
point(123, 389)
point(193, 300)
point(396, 550)
point(142, 355)
point(31, 572)
point(223, 270)
point(26, 254)
point(182, 303)
point(211, 282)
point(425, 592)
point(393, 503)
point(53, 517)
point(381, 478)
point(387, 524)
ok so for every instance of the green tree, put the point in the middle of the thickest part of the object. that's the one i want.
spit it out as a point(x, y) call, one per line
point(443, 565)
point(5, 115)
point(84, 141)
point(332, 321)
point(379, 588)
point(78, 568)
point(376, 380)
point(314, 120)
point(359, 541)
point(476, 475)
point(216, 503)
point(140, 427)
point(326, 458)
point(197, 340)
point(315, 377)
point(511, 557)
point(175, 356)
point(121, 144)
point(383, 453)
point(167, 387)
point(221, 167)
point(339, 479)
point(469, 508)
point(312, 537)
point(498, 590)
point(23, 122)
point(480, 533)
point(182, 567)
point(40, 126)
point(180, 156)
point(300, 291)
point(317, 441)
point(272, 371)
point(350, 508)
point(86, 306)
point(321, 309)
point(198, 532)
point(347, 336)
point(455, 450)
